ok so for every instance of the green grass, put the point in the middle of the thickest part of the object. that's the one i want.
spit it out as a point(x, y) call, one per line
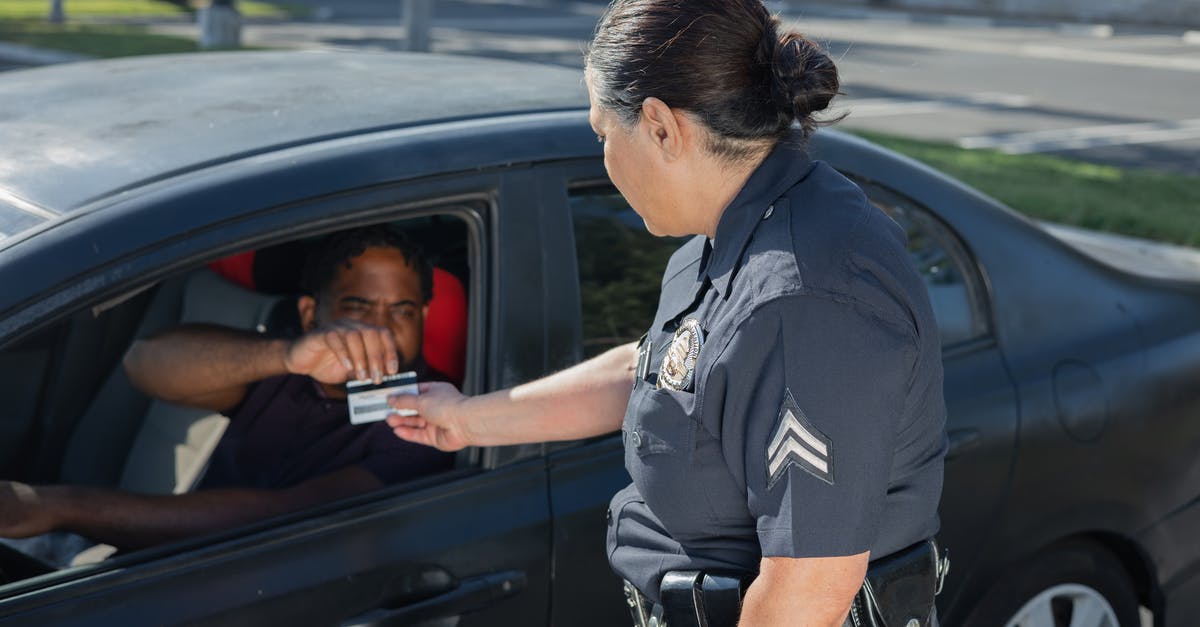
point(94, 40)
point(1141, 203)
point(91, 9)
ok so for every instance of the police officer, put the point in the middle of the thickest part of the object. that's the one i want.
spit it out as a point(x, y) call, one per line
point(785, 427)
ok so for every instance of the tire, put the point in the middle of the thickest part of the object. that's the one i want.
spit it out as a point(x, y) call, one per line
point(1079, 581)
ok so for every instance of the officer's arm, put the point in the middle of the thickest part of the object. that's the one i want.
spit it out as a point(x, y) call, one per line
point(810, 591)
point(585, 400)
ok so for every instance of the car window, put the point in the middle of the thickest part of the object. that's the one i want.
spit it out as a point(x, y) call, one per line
point(954, 292)
point(621, 265)
point(76, 419)
point(620, 268)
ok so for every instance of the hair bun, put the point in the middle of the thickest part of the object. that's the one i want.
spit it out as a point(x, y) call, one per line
point(806, 79)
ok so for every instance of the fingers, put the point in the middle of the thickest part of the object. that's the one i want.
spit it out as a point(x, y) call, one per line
point(367, 352)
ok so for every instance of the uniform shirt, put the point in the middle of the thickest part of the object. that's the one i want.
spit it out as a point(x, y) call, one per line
point(814, 425)
point(287, 431)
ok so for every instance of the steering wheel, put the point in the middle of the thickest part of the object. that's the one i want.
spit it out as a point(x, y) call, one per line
point(15, 565)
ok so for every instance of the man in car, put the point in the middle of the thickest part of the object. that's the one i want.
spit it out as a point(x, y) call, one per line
point(289, 444)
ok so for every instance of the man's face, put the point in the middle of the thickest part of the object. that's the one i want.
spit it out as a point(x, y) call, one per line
point(379, 288)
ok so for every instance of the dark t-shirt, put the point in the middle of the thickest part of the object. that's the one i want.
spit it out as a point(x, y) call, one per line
point(286, 431)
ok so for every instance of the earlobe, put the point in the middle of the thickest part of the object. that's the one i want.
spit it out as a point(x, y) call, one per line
point(306, 306)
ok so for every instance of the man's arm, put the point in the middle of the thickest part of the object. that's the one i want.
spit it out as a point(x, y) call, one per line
point(203, 365)
point(811, 591)
point(585, 400)
point(133, 521)
point(210, 366)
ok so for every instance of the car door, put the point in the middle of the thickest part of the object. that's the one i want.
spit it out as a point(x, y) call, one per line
point(469, 547)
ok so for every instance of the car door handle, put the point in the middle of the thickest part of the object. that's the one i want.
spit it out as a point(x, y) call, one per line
point(470, 594)
point(961, 441)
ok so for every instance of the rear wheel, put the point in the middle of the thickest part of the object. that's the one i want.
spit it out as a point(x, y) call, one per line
point(1071, 585)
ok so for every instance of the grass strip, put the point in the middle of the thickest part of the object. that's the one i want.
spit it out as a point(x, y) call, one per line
point(91, 9)
point(1141, 203)
point(93, 39)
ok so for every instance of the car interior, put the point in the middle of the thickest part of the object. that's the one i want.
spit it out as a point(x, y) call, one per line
point(74, 418)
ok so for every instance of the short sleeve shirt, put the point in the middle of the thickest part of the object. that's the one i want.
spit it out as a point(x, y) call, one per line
point(286, 432)
point(813, 424)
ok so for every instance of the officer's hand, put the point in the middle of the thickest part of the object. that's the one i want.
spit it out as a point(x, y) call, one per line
point(344, 350)
point(439, 421)
point(21, 512)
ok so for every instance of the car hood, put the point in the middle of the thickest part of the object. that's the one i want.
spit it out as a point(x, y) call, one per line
point(1133, 255)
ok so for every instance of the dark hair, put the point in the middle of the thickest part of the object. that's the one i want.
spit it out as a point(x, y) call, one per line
point(339, 248)
point(723, 61)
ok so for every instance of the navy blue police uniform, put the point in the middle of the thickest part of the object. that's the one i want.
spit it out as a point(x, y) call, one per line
point(788, 401)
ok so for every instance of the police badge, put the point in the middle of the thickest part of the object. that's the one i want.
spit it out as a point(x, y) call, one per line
point(679, 364)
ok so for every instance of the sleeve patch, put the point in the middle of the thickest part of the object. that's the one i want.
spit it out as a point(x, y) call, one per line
point(796, 441)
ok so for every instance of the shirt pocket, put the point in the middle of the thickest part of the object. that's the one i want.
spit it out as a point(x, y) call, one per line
point(663, 424)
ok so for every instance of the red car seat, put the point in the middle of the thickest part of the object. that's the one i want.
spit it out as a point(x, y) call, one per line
point(445, 337)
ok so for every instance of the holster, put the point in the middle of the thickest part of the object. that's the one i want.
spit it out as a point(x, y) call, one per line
point(899, 589)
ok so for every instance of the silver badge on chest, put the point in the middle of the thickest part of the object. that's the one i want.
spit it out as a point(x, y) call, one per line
point(679, 364)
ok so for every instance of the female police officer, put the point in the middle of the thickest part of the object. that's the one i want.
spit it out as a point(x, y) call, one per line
point(786, 422)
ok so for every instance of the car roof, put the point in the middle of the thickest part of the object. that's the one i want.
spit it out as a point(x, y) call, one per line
point(79, 132)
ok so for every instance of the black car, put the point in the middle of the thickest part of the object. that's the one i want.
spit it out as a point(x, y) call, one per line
point(1072, 360)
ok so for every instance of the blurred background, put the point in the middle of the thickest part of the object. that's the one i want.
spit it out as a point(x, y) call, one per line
point(1082, 112)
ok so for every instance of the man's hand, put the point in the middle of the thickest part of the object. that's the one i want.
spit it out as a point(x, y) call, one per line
point(344, 350)
point(22, 513)
point(437, 423)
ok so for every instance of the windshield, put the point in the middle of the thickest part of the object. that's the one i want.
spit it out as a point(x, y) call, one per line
point(1135, 256)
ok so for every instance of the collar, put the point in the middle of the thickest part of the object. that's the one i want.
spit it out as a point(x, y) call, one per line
point(786, 165)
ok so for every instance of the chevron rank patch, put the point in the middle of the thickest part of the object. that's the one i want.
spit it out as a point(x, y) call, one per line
point(797, 442)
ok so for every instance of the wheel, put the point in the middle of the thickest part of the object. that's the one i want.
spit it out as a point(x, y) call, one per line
point(1070, 585)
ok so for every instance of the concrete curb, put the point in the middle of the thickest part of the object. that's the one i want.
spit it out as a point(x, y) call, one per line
point(18, 54)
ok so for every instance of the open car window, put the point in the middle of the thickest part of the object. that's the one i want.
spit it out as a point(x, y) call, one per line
point(74, 418)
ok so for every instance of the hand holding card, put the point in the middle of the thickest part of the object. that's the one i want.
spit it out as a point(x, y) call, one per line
point(368, 400)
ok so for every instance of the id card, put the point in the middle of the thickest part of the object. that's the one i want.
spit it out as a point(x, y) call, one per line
point(368, 400)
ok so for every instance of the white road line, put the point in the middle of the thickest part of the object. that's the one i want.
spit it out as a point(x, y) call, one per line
point(884, 107)
point(1086, 137)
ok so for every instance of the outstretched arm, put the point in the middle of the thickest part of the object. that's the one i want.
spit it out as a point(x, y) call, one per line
point(133, 521)
point(585, 400)
point(211, 366)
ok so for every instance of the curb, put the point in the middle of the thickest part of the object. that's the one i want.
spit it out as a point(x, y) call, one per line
point(28, 55)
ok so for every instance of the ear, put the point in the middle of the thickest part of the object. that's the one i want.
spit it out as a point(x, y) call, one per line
point(307, 307)
point(424, 312)
point(664, 128)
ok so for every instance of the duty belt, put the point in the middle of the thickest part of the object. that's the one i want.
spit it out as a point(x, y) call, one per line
point(698, 599)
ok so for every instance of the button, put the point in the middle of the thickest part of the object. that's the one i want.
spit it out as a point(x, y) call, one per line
point(770, 210)
point(636, 439)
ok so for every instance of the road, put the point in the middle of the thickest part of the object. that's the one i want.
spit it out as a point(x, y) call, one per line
point(1119, 96)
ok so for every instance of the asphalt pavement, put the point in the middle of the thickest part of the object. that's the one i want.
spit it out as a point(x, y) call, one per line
point(1107, 93)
